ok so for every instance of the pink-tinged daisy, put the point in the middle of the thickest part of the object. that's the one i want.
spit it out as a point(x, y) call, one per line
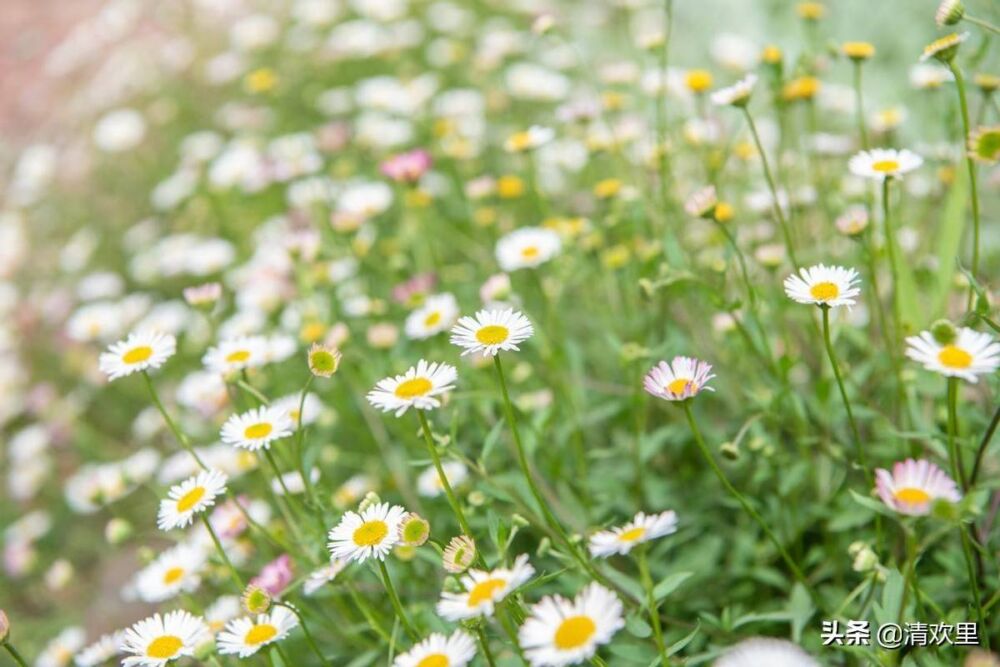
point(406, 167)
point(679, 380)
point(913, 486)
point(969, 355)
point(822, 285)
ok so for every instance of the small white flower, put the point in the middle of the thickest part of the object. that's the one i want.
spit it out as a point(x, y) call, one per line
point(174, 571)
point(882, 163)
point(534, 137)
point(483, 590)
point(565, 632)
point(101, 651)
point(235, 354)
point(679, 380)
point(437, 650)
point(821, 285)
point(913, 486)
point(59, 651)
point(527, 247)
point(491, 331)
point(155, 641)
point(417, 388)
point(971, 354)
point(429, 483)
point(759, 651)
point(642, 528)
point(245, 636)
point(139, 352)
point(736, 94)
point(371, 534)
point(322, 576)
point(257, 428)
point(190, 497)
point(436, 314)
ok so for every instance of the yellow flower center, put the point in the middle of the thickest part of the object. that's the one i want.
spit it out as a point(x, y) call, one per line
point(164, 647)
point(238, 356)
point(137, 354)
point(954, 357)
point(699, 80)
point(519, 141)
point(190, 499)
point(370, 533)
point(886, 166)
point(484, 591)
point(678, 386)
point(492, 334)
point(434, 660)
point(574, 632)
point(633, 534)
point(824, 291)
point(912, 496)
point(259, 430)
point(432, 319)
point(530, 252)
point(414, 387)
point(173, 575)
point(260, 633)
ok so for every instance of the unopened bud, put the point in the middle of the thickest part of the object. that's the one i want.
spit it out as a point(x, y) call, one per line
point(117, 531)
point(944, 332)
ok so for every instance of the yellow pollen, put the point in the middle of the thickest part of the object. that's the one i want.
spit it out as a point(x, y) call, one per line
point(678, 386)
point(633, 534)
point(137, 354)
point(435, 660)
point(519, 141)
point(370, 533)
point(238, 356)
point(190, 499)
point(530, 252)
point(432, 319)
point(954, 357)
point(484, 591)
point(824, 291)
point(413, 388)
point(260, 633)
point(173, 575)
point(492, 334)
point(912, 496)
point(574, 632)
point(164, 647)
point(886, 166)
point(259, 430)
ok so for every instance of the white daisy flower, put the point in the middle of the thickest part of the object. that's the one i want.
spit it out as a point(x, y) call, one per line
point(174, 571)
point(526, 140)
point(642, 528)
point(190, 497)
point(101, 651)
point(235, 354)
point(224, 609)
point(765, 651)
point(971, 354)
point(821, 285)
point(882, 163)
point(417, 388)
point(155, 641)
point(436, 314)
point(429, 483)
point(944, 48)
point(60, 651)
point(679, 380)
point(141, 351)
point(322, 576)
point(245, 636)
point(312, 407)
point(456, 650)
point(913, 486)
point(257, 428)
point(371, 534)
point(737, 94)
point(483, 590)
point(527, 247)
point(565, 632)
point(491, 331)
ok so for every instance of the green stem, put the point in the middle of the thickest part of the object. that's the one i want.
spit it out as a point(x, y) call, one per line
point(862, 131)
point(222, 553)
point(14, 654)
point(983, 445)
point(974, 583)
point(299, 436)
point(369, 614)
point(171, 424)
point(747, 507)
point(910, 570)
point(305, 630)
point(957, 469)
point(986, 25)
point(654, 608)
point(396, 605)
point(843, 392)
point(970, 165)
point(890, 247)
point(776, 203)
point(446, 485)
point(485, 644)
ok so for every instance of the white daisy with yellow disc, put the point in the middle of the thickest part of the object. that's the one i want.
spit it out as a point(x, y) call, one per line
point(371, 534)
point(969, 355)
point(190, 497)
point(177, 570)
point(527, 247)
point(245, 636)
point(155, 641)
point(492, 331)
point(484, 590)
point(438, 650)
point(882, 163)
point(679, 380)
point(143, 351)
point(821, 285)
point(257, 428)
point(913, 486)
point(436, 314)
point(758, 651)
point(236, 354)
point(565, 632)
point(642, 528)
point(420, 388)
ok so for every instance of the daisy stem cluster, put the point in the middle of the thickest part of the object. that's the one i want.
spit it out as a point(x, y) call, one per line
point(456, 507)
point(831, 355)
point(397, 606)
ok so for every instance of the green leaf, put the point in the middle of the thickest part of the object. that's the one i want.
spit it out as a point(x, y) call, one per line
point(800, 610)
point(892, 597)
point(871, 504)
point(677, 646)
point(669, 584)
point(948, 243)
point(637, 626)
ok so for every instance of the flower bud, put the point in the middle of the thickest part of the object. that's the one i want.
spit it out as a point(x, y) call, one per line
point(371, 498)
point(414, 530)
point(949, 12)
point(4, 627)
point(117, 531)
point(944, 332)
point(255, 600)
